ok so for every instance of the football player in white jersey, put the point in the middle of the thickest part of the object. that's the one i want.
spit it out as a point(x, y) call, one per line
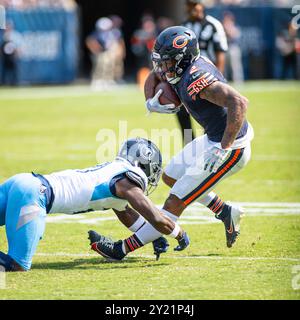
point(26, 199)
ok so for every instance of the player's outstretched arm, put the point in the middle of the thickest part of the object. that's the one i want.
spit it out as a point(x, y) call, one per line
point(225, 96)
point(143, 205)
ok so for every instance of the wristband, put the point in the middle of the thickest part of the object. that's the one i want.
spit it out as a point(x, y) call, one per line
point(175, 231)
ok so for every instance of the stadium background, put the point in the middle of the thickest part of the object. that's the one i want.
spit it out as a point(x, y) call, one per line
point(55, 32)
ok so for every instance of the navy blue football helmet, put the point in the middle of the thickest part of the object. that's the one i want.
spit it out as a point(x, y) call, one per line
point(174, 50)
point(144, 154)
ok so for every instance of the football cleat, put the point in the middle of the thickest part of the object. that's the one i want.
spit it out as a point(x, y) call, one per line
point(106, 247)
point(232, 224)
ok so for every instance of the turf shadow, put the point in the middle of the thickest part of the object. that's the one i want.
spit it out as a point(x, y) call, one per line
point(98, 264)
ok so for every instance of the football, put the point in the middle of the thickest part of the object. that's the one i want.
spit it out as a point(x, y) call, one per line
point(169, 95)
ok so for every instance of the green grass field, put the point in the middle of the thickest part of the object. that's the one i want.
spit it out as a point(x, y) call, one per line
point(49, 129)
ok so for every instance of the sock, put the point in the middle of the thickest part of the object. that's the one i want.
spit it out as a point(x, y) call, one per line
point(207, 199)
point(146, 233)
point(214, 203)
point(224, 213)
point(132, 243)
point(138, 224)
point(6, 261)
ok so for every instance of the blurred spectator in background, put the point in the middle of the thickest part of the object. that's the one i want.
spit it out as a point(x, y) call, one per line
point(119, 49)
point(102, 44)
point(142, 43)
point(213, 45)
point(209, 31)
point(286, 45)
point(163, 23)
point(234, 66)
point(9, 54)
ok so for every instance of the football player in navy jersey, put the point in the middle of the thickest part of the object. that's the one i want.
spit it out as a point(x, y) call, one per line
point(225, 146)
point(223, 150)
point(26, 199)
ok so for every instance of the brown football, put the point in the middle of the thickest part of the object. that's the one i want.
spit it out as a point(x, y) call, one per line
point(169, 95)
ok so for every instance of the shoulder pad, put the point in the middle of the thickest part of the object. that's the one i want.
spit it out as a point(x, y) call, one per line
point(137, 179)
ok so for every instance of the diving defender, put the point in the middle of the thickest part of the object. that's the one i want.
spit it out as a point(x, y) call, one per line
point(27, 198)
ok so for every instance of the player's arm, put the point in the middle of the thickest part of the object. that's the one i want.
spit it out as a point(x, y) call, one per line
point(220, 46)
point(224, 95)
point(151, 82)
point(135, 196)
point(93, 45)
point(220, 60)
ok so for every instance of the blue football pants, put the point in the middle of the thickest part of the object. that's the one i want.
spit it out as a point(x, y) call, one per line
point(23, 213)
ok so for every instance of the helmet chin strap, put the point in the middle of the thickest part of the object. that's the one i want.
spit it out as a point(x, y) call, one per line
point(173, 80)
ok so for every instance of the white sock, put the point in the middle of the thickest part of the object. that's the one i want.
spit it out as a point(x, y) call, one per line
point(207, 199)
point(147, 233)
point(138, 223)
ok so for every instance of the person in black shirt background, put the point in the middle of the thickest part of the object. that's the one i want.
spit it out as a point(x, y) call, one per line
point(8, 56)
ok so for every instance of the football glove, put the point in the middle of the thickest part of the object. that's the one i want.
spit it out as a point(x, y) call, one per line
point(153, 105)
point(214, 158)
point(160, 245)
point(183, 242)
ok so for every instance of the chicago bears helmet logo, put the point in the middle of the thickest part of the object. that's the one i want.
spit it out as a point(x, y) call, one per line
point(180, 42)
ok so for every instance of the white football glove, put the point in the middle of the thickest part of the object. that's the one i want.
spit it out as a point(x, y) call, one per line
point(153, 105)
point(215, 158)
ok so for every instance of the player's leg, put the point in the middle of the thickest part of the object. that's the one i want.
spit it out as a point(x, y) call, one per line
point(3, 200)
point(229, 215)
point(25, 219)
point(183, 161)
point(133, 221)
point(5, 261)
point(210, 200)
point(178, 166)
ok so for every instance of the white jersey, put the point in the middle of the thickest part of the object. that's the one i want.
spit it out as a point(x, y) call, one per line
point(89, 189)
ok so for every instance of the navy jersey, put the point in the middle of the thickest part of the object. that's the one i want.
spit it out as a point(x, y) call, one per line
point(213, 118)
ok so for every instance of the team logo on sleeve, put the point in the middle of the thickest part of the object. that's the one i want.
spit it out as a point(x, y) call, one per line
point(194, 69)
point(201, 83)
point(180, 42)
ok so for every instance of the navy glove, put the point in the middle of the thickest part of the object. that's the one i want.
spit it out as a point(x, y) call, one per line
point(183, 242)
point(160, 245)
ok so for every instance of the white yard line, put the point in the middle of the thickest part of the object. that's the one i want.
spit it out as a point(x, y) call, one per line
point(64, 92)
point(263, 204)
point(50, 92)
point(273, 157)
point(195, 214)
point(146, 256)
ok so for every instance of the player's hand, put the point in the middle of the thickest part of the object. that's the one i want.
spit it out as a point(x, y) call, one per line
point(183, 242)
point(153, 105)
point(215, 158)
